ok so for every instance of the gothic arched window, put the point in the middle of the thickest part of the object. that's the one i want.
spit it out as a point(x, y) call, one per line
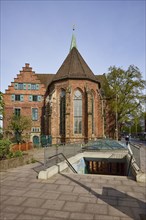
point(62, 112)
point(92, 111)
point(77, 112)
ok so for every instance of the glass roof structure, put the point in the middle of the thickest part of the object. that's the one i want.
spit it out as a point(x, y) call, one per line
point(104, 144)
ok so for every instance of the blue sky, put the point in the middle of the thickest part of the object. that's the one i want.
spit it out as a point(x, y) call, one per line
point(39, 32)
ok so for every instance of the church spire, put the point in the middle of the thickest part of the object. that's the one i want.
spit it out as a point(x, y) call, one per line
point(73, 40)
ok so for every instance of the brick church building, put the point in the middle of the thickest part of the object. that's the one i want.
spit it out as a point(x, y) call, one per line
point(66, 106)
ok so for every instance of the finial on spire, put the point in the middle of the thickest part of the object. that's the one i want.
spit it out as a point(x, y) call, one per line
point(73, 40)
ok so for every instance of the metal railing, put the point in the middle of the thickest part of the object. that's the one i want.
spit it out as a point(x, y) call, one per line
point(68, 150)
point(135, 153)
point(68, 163)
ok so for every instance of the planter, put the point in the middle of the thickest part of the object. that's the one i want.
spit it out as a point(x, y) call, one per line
point(15, 162)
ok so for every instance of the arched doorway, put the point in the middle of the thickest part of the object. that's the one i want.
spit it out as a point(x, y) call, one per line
point(36, 140)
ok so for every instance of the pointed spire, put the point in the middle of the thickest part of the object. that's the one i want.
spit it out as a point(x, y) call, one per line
point(73, 40)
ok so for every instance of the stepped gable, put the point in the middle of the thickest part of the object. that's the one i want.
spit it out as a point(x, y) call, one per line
point(74, 67)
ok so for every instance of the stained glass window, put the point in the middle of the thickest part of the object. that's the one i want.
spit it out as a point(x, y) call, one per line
point(62, 112)
point(92, 106)
point(77, 112)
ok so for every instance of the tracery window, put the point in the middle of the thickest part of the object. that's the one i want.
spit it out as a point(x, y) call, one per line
point(92, 111)
point(77, 112)
point(62, 112)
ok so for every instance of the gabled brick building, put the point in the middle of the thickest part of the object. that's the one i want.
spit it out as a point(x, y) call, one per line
point(67, 105)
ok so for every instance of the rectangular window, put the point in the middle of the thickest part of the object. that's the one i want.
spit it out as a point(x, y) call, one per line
point(34, 114)
point(17, 97)
point(35, 98)
point(20, 86)
point(17, 111)
point(35, 129)
point(33, 86)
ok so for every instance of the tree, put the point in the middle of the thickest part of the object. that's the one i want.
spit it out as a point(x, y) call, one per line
point(124, 92)
point(19, 124)
point(1, 112)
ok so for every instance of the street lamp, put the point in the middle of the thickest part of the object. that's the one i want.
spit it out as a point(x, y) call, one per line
point(116, 130)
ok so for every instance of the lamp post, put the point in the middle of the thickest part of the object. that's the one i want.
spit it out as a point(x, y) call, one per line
point(116, 129)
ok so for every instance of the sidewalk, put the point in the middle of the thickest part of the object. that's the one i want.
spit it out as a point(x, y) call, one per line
point(70, 196)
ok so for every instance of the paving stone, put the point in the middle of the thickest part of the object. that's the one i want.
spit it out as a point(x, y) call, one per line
point(8, 216)
point(28, 217)
point(65, 188)
point(35, 211)
point(50, 187)
point(74, 207)
point(96, 209)
point(106, 217)
point(14, 209)
point(81, 216)
point(120, 211)
point(15, 200)
point(36, 185)
point(17, 192)
point(62, 182)
point(33, 202)
point(68, 197)
point(33, 193)
point(79, 189)
point(50, 195)
point(3, 198)
point(87, 199)
point(53, 204)
point(58, 214)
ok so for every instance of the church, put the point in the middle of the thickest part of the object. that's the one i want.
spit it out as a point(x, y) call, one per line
point(67, 106)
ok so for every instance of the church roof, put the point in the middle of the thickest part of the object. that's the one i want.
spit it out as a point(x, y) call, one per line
point(45, 78)
point(74, 67)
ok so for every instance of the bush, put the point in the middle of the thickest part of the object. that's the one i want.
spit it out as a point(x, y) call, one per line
point(4, 148)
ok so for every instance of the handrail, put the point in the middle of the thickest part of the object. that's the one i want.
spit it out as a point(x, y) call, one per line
point(69, 164)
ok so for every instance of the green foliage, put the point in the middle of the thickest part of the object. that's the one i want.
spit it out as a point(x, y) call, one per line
point(124, 92)
point(4, 148)
point(17, 153)
point(18, 124)
point(1, 104)
point(5, 152)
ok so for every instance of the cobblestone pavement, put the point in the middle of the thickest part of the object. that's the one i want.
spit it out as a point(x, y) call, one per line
point(70, 196)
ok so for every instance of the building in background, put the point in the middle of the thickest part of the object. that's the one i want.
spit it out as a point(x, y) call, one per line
point(66, 106)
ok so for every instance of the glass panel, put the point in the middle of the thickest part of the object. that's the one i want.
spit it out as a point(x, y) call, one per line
point(92, 114)
point(34, 114)
point(33, 86)
point(62, 112)
point(35, 98)
point(77, 112)
point(17, 111)
point(17, 97)
point(20, 86)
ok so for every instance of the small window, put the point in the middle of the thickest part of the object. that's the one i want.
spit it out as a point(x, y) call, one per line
point(17, 111)
point(34, 114)
point(35, 98)
point(33, 86)
point(20, 86)
point(17, 97)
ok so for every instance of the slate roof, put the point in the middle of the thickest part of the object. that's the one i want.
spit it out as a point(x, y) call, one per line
point(74, 67)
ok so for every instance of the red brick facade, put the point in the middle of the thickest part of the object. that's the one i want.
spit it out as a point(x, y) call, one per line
point(52, 123)
point(30, 87)
point(41, 92)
